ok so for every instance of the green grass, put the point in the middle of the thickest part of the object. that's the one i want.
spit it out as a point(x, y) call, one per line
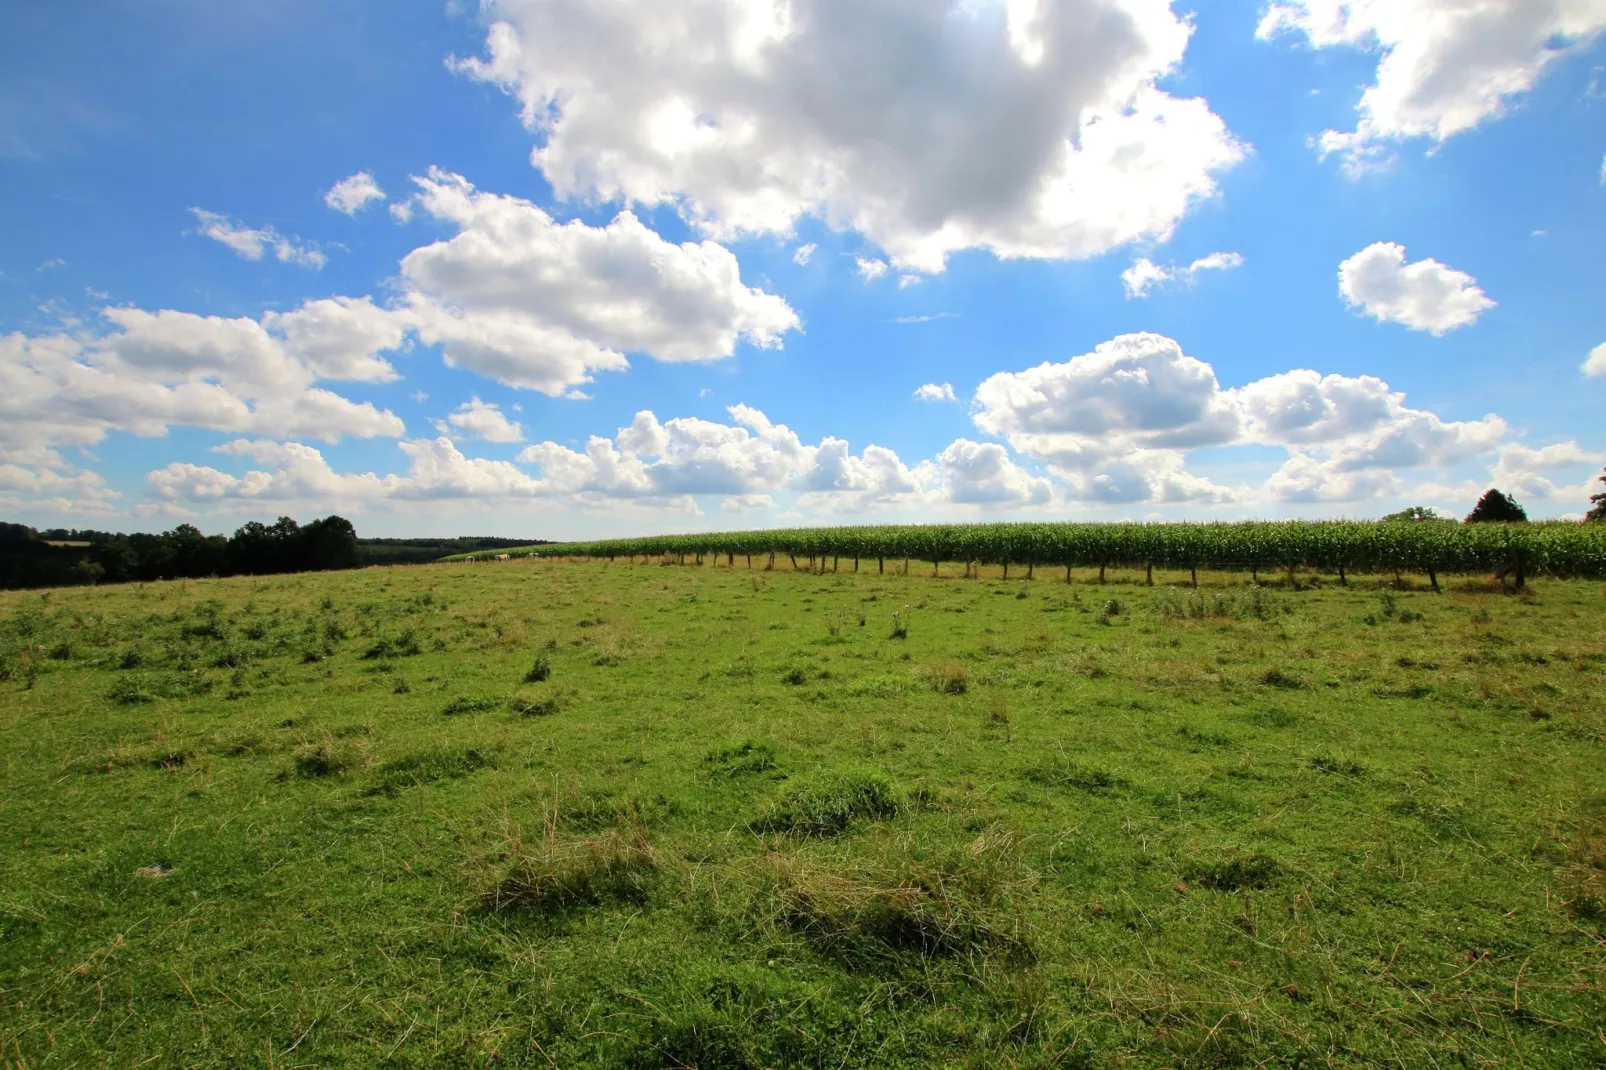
point(571, 814)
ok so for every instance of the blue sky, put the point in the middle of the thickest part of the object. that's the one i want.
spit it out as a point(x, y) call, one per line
point(962, 260)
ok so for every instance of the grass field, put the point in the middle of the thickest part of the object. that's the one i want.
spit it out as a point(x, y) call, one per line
point(567, 814)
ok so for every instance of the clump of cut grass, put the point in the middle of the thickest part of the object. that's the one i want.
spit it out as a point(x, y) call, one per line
point(540, 670)
point(469, 704)
point(613, 868)
point(326, 758)
point(1337, 766)
point(1279, 679)
point(827, 803)
point(741, 759)
point(1585, 875)
point(1062, 772)
point(1206, 739)
point(1234, 872)
point(957, 904)
point(540, 707)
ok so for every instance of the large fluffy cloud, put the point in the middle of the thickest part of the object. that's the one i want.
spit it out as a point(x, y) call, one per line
point(520, 298)
point(156, 369)
point(1424, 296)
point(1115, 425)
point(1030, 129)
point(1445, 65)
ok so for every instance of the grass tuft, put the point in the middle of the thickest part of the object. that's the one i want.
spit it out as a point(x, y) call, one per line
point(827, 803)
point(741, 759)
point(613, 868)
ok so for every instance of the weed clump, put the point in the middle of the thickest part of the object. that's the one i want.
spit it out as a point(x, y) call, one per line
point(405, 645)
point(950, 680)
point(610, 869)
point(541, 707)
point(467, 704)
point(827, 803)
point(539, 671)
point(128, 692)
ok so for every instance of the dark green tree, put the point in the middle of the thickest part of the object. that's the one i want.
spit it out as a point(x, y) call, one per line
point(1414, 514)
point(1497, 508)
point(1598, 509)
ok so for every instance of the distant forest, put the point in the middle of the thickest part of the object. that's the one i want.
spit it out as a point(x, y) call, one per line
point(63, 557)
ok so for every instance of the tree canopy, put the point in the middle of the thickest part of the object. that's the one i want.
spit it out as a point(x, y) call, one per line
point(1497, 508)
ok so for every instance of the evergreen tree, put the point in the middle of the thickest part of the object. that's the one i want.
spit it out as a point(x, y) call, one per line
point(1598, 512)
point(1497, 508)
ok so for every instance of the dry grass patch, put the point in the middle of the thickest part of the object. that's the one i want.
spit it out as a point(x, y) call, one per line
point(956, 903)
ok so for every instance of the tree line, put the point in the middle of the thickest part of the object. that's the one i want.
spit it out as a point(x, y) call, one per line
point(60, 557)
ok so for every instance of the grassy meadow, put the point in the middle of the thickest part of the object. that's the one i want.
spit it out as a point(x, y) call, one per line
point(562, 813)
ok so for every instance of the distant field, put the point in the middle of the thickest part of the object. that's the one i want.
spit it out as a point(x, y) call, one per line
point(569, 814)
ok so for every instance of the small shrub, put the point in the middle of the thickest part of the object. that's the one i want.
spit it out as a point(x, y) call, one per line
point(132, 658)
point(401, 686)
point(62, 651)
point(128, 692)
point(900, 623)
point(405, 645)
point(540, 670)
point(795, 676)
point(1112, 608)
point(827, 803)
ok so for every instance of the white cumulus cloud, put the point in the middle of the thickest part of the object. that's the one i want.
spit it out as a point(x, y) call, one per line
point(1444, 66)
point(935, 392)
point(353, 193)
point(1028, 129)
point(1145, 274)
point(252, 243)
point(1424, 296)
point(486, 421)
point(1595, 363)
point(533, 303)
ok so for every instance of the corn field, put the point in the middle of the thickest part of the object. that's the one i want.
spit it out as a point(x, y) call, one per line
point(1430, 548)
